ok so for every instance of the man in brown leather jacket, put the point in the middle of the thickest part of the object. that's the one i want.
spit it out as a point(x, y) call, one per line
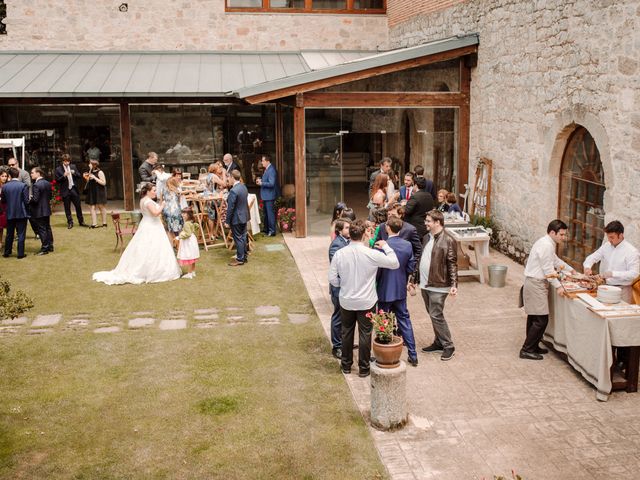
point(437, 276)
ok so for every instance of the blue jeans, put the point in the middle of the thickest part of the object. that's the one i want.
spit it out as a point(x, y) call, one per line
point(336, 323)
point(269, 216)
point(399, 307)
point(239, 233)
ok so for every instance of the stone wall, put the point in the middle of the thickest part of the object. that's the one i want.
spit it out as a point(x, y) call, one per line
point(543, 67)
point(180, 25)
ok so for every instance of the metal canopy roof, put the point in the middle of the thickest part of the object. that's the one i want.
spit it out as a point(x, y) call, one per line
point(189, 74)
point(152, 74)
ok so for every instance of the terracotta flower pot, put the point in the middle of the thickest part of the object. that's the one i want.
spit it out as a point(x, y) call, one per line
point(388, 354)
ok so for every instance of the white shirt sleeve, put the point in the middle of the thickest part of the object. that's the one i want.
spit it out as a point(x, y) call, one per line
point(334, 279)
point(388, 259)
point(595, 257)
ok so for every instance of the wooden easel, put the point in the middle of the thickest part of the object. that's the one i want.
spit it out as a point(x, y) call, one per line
point(481, 199)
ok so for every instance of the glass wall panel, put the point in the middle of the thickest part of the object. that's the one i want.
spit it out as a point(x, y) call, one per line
point(286, 4)
point(51, 130)
point(368, 4)
point(329, 4)
point(190, 137)
point(244, 3)
point(344, 146)
point(438, 77)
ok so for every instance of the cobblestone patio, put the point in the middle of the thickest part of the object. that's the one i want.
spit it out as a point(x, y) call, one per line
point(487, 412)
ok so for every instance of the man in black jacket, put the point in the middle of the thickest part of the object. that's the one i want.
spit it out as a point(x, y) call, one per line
point(438, 277)
point(40, 203)
point(417, 207)
point(69, 178)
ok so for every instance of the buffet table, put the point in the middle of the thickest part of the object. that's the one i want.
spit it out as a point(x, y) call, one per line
point(587, 340)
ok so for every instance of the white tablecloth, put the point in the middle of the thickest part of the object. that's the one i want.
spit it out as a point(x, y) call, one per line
point(254, 213)
point(587, 339)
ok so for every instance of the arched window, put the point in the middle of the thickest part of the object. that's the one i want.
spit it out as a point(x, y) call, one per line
point(581, 197)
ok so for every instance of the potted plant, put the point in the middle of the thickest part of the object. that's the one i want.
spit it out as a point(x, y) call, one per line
point(387, 347)
point(286, 219)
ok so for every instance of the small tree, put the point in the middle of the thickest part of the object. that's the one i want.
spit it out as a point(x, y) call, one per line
point(13, 305)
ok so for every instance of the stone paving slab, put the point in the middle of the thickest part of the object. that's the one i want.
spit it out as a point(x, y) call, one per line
point(173, 324)
point(486, 412)
point(267, 310)
point(47, 320)
point(107, 329)
point(205, 311)
point(141, 322)
point(15, 321)
point(269, 321)
point(210, 316)
point(298, 318)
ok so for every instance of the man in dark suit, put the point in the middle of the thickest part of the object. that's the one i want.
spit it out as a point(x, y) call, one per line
point(417, 207)
point(406, 190)
point(385, 167)
point(429, 186)
point(146, 169)
point(408, 232)
point(237, 217)
point(69, 178)
point(341, 240)
point(40, 204)
point(16, 196)
point(392, 286)
point(269, 191)
point(229, 164)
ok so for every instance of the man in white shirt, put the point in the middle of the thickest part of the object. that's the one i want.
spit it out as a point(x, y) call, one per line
point(353, 269)
point(619, 260)
point(539, 272)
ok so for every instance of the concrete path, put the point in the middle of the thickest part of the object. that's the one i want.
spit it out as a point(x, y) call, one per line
point(486, 412)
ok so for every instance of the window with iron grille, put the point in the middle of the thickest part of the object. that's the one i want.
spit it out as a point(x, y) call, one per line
point(308, 6)
point(582, 190)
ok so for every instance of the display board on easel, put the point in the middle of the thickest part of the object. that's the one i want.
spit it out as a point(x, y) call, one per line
point(481, 200)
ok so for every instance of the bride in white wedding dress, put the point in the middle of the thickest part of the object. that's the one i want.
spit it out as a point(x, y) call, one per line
point(149, 257)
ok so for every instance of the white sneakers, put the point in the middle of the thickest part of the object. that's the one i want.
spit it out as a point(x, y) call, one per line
point(189, 275)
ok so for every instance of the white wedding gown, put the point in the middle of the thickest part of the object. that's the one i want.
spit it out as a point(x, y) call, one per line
point(148, 258)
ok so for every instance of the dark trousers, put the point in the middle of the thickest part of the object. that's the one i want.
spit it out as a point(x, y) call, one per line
point(239, 233)
point(19, 225)
point(434, 303)
point(269, 216)
point(399, 307)
point(536, 325)
point(349, 319)
point(73, 197)
point(336, 324)
point(43, 227)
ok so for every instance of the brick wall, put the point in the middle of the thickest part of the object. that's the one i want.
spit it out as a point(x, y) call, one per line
point(399, 11)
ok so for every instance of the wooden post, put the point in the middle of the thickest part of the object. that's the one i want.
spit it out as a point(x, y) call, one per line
point(280, 143)
point(127, 157)
point(463, 127)
point(300, 167)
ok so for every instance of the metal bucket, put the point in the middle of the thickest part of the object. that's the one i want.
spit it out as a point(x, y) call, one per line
point(497, 275)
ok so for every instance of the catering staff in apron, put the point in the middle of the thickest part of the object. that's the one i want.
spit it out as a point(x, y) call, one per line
point(619, 260)
point(539, 272)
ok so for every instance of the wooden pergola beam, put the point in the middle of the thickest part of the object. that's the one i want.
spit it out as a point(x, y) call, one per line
point(385, 99)
point(127, 157)
point(362, 74)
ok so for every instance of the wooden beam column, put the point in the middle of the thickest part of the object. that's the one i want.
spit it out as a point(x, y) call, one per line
point(280, 143)
point(464, 122)
point(127, 157)
point(300, 167)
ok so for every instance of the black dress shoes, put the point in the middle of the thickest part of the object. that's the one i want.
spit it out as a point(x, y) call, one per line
point(337, 353)
point(530, 355)
point(19, 257)
point(541, 350)
point(434, 347)
point(346, 371)
point(69, 226)
point(413, 361)
point(364, 373)
point(6, 255)
point(84, 225)
point(43, 252)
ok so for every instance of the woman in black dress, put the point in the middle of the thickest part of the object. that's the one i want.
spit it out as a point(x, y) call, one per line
point(96, 192)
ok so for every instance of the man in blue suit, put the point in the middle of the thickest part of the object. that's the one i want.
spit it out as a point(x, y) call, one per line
point(40, 204)
point(408, 232)
point(392, 286)
point(16, 195)
point(237, 217)
point(269, 191)
point(341, 240)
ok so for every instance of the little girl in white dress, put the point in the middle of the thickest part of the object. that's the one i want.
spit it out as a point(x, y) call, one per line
point(188, 250)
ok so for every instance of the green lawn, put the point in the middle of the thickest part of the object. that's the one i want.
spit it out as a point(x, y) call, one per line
point(243, 400)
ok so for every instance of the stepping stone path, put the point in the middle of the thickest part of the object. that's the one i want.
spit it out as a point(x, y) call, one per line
point(173, 324)
point(298, 318)
point(107, 330)
point(204, 318)
point(46, 320)
point(141, 322)
point(267, 310)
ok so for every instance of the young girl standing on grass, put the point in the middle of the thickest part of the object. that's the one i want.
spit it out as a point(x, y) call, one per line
point(188, 250)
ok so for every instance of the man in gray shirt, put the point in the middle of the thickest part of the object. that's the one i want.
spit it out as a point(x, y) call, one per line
point(353, 269)
point(24, 176)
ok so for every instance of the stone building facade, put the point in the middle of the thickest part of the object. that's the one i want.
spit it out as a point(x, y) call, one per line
point(180, 25)
point(544, 68)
